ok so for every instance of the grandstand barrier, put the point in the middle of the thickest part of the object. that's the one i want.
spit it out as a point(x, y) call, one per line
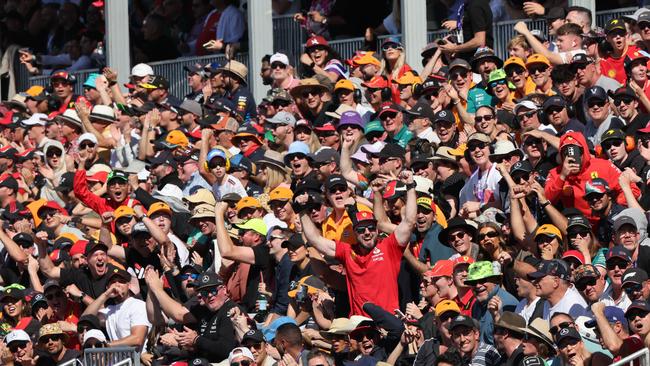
point(641, 358)
point(113, 356)
point(289, 37)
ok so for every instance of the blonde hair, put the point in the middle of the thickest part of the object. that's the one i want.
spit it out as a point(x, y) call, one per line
point(385, 69)
point(313, 143)
point(275, 177)
point(518, 40)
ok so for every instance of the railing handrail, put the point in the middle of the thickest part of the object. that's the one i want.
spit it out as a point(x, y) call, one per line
point(645, 352)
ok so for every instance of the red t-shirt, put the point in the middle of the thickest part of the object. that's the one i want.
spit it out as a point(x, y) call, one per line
point(372, 277)
point(630, 345)
point(615, 67)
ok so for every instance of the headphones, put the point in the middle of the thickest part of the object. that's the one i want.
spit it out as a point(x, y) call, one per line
point(356, 95)
point(206, 166)
point(630, 145)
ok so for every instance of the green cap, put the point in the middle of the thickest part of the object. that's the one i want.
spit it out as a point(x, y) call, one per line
point(373, 126)
point(483, 269)
point(256, 225)
point(117, 174)
point(497, 74)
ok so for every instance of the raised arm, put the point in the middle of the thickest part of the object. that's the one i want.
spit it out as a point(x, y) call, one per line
point(169, 306)
point(312, 233)
point(114, 251)
point(227, 249)
point(405, 228)
point(47, 267)
point(383, 222)
point(347, 166)
point(14, 251)
point(611, 340)
point(536, 45)
point(206, 133)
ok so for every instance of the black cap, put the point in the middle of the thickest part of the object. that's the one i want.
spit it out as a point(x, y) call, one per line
point(582, 58)
point(612, 134)
point(65, 182)
point(641, 305)
point(615, 24)
point(209, 120)
point(12, 292)
point(578, 221)
point(199, 362)
point(193, 268)
point(533, 361)
point(566, 333)
point(462, 320)
point(93, 245)
point(222, 105)
point(231, 197)
point(392, 150)
point(254, 335)
point(294, 242)
point(9, 153)
point(521, 166)
point(624, 220)
point(422, 109)
point(635, 276)
point(23, 239)
point(554, 13)
point(10, 182)
point(118, 272)
point(117, 174)
point(554, 101)
point(208, 279)
point(444, 115)
point(326, 155)
point(619, 251)
point(193, 69)
point(37, 299)
point(163, 157)
point(553, 267)
point(335, 180)
point(159, 81)
point(90, 319)
point(624, 91)
point(595, 92)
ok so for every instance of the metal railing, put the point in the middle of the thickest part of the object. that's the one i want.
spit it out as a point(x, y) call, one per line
point(114, 356)
point(603, 16)
point(642, 356)
point(171, 69)
point(503, 32)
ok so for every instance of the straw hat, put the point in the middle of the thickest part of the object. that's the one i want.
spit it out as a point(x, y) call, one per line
point(236, 68)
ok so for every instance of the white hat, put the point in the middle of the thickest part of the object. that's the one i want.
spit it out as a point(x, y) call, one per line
point(141, 70)
point(87, 137)
point(103, 113)
point(423, 185)
point(282, 118)
point(240, 351)
point(17, 335)
point(143, 175)
point(528, 104)
point(94, 333)
point(39, 119)
point(504, 147)
point(636, 14)
point(279, 57)
point(70, 115)
point(360, 156)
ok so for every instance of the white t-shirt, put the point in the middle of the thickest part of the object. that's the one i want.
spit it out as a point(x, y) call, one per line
point(483, 188)
point(607, 298)
point(230, 185)
point(572, 303)
point(525, 309)
point(122, 317)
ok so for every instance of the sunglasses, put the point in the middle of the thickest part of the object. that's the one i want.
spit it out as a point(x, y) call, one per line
point(554, 109)
point(613, 263)
point(543, 239)
point(280, 65)
point(83, 328)
point(338, 189)
point(532, 141)
point(49, 338)
point(581, 233)
point(16, 345)
point(94, 344)
point(477, 145)
point(617, 33)
point(241, 363)
point(192, 276)
point(489, 234)
point(633, 314)
point(59, 83)
point(257, 346)
point(511, 71)
point(623, 100)
point(307, 93)
point(54, 152)
point(280, 103)
point(391, 46)
point(555, 329)
point(633, 288)
point(526, 115)
point(388, 115)
point(124, 220)
point(45, 213)
point(501, 158)
point(274, 205)
point(216, 163)
point(487, 117)
point(594, 196)
point(55, 295)
point(582, 285)
point(85, 145)
point(362, 229)
point(455, 74)
point(608, 144)
point(458, 235)
point(599, 104)
point(535, 69)
point(497, 82)
point(207, 293)
point(645, 143)
point(520, 178)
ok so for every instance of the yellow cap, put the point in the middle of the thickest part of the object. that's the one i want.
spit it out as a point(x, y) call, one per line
point(202, 195)
point(159, 207)
point(514, 60)
point(123, 211)
point(366, 58)
point(445, 306)
point(33, 207)
point(34, 90)
point(344, 84)
point(280, 194)
point(177, 137)
point(537, 58)
point(459, 151)
point(247, 202)
point(70, 236)
point(549, 230)
point(409, 79)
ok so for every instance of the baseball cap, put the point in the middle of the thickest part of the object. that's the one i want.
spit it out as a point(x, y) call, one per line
point(240, 352)
point(624, 220)
point(280, 194)
point(294, 242)
point(595, 92)
point(93, 245)
point(442, 268)
point(553, 267)
point(549, 230)
point(282, 118)
point(613, 314)
point(578, 221)
point(581, 58)
point(422, 109)
point(392, 150)
point(388, 107)
point(255, 224)
point(575, 254)
point(279, 57)
point(619, 251)
point(463, 320)
point(141, 70)
point(394, 189)
point(208, 279)
point(254, 335)
point(615, 24)
point(567, 333)
point(445, 306)
point(117, 174)
point(335, 180)
point(118, 272)
point(17, 335)
point(537, 58)
point(634, 276)
point(596, 185)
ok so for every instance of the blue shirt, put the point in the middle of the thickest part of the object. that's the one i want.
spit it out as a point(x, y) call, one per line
point(432, 249)
point(231, 26)
point(481, 313)
point(196, 181)
point(281, 298)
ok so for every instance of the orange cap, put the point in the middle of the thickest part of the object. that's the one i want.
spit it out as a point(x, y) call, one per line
point(442, 268)
point(537, 58)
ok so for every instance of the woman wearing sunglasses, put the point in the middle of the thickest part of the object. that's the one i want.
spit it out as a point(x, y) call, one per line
point(393, 65)
point(494, 247)
point(52, 169)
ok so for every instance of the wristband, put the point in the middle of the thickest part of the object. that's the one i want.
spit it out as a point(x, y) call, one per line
point(81, 297)
point(311, 66)
point(411, 185)
point(545, 204)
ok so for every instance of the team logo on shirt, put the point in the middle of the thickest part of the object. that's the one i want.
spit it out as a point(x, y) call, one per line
point(377, 255)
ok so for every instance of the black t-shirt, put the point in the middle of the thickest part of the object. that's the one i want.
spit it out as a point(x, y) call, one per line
point(139, 263)
point(11, 274)
point(477, 17)
point(82, 278)
point(639, 122)
point(263, 266)
point(572, 125)
point(216, 331)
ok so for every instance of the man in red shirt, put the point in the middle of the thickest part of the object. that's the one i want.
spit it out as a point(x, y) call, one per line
point(373, 264)
point(622, 53)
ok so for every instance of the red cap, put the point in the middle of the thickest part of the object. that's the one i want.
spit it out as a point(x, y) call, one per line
point(364, 216)
point(574, 254)
point(377, 82)
point(463, 260)
point(442, 268)
point(325, 128)
point(316, 41)
point(98, 177)
point(79, 247)
point(394, 189)
point(53, 205)
point(7, 118)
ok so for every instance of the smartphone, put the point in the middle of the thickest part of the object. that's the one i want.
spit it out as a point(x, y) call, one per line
point(399, 314)
point(440, 42)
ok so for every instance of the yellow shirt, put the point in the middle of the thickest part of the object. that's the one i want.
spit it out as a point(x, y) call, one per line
point(341, 230)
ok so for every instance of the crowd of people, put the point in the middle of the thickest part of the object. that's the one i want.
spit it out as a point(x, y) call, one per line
point(479, 211)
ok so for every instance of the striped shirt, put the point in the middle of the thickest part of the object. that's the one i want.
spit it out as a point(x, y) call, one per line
point(486, 355)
